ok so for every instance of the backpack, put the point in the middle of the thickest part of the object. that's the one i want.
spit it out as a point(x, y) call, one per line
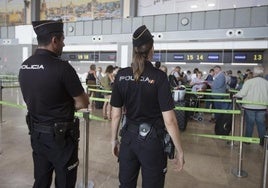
point(173, 82)
point(233, 82)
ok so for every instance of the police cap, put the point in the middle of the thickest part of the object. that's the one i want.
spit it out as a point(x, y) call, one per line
point(45, 27)
point(141, 36)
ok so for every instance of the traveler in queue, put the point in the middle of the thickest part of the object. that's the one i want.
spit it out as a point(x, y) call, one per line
point(255, 90)
point(52, 92)
point(219, 86)
point(141, 90)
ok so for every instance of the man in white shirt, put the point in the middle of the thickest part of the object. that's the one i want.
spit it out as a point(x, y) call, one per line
point(255, 90)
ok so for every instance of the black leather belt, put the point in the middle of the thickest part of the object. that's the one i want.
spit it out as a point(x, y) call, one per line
point(134, 128)
point(49, 128)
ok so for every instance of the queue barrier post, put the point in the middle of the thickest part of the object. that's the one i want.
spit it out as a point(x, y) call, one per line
point(239, 172)
point(1, 117)
point(265, 163)
point(233, 120)
point(86, 183)
point(1, 98)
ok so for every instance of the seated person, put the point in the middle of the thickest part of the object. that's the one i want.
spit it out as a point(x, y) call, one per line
point(198, 83)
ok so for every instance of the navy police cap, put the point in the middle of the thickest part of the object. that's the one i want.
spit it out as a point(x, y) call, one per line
point(141, 36)
point(45, 27)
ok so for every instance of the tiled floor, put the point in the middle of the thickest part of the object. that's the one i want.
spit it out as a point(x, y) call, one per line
point(209, 162)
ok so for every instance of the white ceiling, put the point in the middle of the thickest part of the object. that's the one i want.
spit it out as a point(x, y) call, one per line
point(154, 7)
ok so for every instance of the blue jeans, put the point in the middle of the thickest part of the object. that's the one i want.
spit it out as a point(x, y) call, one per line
point(221, 106)
point(252, 117)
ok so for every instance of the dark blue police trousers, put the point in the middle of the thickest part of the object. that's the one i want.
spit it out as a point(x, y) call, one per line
point(145, 154)
point(48, 156)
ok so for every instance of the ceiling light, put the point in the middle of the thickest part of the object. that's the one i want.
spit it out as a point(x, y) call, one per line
point(193, 6)
point(175, 63)
point(211, 5)
point(244, 64)
point(210, 63)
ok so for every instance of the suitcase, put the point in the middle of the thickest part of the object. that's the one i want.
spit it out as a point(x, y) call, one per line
point(99, 104)
point(223, 124)
point(181, 116)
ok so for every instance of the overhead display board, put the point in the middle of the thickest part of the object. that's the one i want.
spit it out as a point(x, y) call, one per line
point(89, 56)
point(209, 56)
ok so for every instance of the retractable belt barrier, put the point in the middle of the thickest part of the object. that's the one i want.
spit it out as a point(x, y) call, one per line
point(78, 114)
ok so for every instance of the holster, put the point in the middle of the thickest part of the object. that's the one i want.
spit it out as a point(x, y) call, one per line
point(144, 131)
point(169, 147)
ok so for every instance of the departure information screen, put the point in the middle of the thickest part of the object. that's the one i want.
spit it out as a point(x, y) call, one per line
point(176, 56)
point(213, 56)
point(89, 56)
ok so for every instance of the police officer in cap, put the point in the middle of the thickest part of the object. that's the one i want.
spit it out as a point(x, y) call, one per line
point(144, 92)
point(52, 92)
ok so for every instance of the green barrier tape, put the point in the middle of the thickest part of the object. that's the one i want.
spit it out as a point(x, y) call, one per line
point(217, 100)
point(207, 93)
point(100, 90)
point(8, 80)
point(251, 102)
point(91, 117)
point(233, 90)
point(99, 99)
point(207, 110)
point(10, 86)
point(12, 105)
point(9, 76)
point(234, 138)
point(78, 114)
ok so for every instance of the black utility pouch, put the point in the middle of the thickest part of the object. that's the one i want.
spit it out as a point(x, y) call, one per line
point(60, 132)
point(144, 130)
point(75, 132)
point(169, 147)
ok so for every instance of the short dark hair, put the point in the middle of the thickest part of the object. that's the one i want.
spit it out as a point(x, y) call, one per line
point(217, 66)
point(44, 40)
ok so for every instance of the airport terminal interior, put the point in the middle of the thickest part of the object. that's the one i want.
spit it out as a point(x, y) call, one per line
point(192, 34)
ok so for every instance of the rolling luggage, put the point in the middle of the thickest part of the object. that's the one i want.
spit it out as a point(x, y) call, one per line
point(223, 124)
point(99, 104)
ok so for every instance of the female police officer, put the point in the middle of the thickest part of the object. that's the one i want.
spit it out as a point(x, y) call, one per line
point(145, 94)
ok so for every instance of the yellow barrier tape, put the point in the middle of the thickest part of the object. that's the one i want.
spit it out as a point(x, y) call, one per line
point(216, 100)
point(251, 102)
point(99, 90)
point(234, 138)
point(78, 114)
point(221, 111)
point(99, 99)
point(208, 93)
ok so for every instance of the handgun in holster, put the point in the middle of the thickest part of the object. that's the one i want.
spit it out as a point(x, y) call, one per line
point(169, 147)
